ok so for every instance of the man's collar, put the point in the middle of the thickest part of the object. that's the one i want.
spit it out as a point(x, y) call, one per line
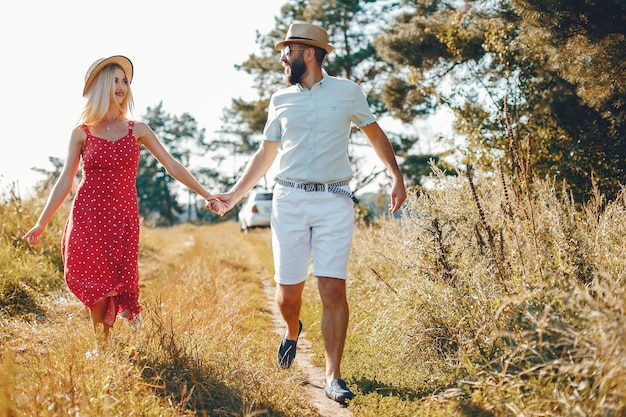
point(320, 83)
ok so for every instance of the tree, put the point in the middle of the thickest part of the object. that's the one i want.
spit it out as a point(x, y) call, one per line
point(158, 191)
point(468, 56)
point(584, 42)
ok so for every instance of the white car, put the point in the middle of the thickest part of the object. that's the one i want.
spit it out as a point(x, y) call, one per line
point(256, 211)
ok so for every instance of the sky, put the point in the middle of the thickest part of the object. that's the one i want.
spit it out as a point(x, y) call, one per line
point(183, 52)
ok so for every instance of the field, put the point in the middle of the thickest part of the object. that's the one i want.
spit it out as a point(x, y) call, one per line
point(488, 297)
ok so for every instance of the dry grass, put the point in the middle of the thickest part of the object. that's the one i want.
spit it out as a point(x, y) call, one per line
point(206, 348)
point(489, 306)
point(489, 297)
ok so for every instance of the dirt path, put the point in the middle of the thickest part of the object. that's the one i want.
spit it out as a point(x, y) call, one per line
point(314, 382)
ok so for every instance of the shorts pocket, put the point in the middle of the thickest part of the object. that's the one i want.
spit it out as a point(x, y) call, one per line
point(280, 191)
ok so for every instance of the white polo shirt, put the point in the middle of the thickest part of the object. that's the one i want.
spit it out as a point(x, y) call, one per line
point(313, 127)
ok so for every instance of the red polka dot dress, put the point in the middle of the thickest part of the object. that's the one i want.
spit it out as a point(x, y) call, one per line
point(100, 244)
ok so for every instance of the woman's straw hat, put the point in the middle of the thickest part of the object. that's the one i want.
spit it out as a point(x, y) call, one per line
point(307, 34)
point(97, 66)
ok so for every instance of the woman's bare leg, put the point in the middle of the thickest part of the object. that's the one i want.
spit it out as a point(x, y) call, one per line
point(101, 330)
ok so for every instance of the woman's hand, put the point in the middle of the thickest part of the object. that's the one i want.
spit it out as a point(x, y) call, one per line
point(34, 235)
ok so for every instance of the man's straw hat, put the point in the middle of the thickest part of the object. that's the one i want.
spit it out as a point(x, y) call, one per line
point(307, 34)
point(97, 66)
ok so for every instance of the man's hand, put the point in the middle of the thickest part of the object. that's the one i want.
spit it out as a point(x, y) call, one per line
point(398, 195)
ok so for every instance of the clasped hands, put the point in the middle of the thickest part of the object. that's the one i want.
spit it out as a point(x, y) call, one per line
point(218, 204)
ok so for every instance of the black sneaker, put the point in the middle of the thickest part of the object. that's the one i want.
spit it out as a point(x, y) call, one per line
point(336, 390)
point(287, 350)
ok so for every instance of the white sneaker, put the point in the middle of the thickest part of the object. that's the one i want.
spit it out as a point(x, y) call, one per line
point(134, 324)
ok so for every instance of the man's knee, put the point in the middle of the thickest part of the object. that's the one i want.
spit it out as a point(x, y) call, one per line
point(332, 290)
point(289, 295)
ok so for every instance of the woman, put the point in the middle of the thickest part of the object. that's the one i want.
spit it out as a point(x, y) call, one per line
point(101, 238)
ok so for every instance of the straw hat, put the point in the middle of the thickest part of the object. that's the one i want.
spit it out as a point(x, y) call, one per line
point(97, 66)
point(307, 34)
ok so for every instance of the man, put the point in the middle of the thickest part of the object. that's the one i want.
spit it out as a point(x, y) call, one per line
point(308, 128)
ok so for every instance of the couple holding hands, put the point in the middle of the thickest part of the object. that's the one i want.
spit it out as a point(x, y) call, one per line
point(307, 129)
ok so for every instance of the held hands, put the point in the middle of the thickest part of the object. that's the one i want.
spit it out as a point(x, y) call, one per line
point(218, 204)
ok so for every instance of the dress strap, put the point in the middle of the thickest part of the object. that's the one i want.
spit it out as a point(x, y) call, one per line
point(131, 124)
point(86, 129)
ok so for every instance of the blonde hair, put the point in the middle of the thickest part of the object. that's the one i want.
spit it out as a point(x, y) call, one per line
point(99, 97)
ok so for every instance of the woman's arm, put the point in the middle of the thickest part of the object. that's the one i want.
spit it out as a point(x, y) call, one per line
point(62, 186)
point(148, 138)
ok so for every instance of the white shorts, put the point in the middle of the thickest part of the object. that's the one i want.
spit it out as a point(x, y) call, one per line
point(305, 223)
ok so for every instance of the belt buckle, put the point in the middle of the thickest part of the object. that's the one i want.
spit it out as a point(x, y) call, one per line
point(312, 187)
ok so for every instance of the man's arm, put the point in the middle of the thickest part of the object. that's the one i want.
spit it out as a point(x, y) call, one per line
point(384, 150)
point(257, 167)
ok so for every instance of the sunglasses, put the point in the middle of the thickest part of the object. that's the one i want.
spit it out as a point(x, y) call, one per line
point(287, 50)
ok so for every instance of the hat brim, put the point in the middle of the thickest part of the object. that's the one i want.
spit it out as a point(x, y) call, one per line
point(120, 60)
point(280, 45)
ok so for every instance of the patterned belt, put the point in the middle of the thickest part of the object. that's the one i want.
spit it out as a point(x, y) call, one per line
point(333, 187)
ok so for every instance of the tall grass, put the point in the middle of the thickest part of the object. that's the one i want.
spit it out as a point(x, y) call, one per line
point(490, 296)
point(206, 347)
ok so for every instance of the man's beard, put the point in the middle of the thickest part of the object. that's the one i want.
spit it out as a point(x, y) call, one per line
point(297, 70)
